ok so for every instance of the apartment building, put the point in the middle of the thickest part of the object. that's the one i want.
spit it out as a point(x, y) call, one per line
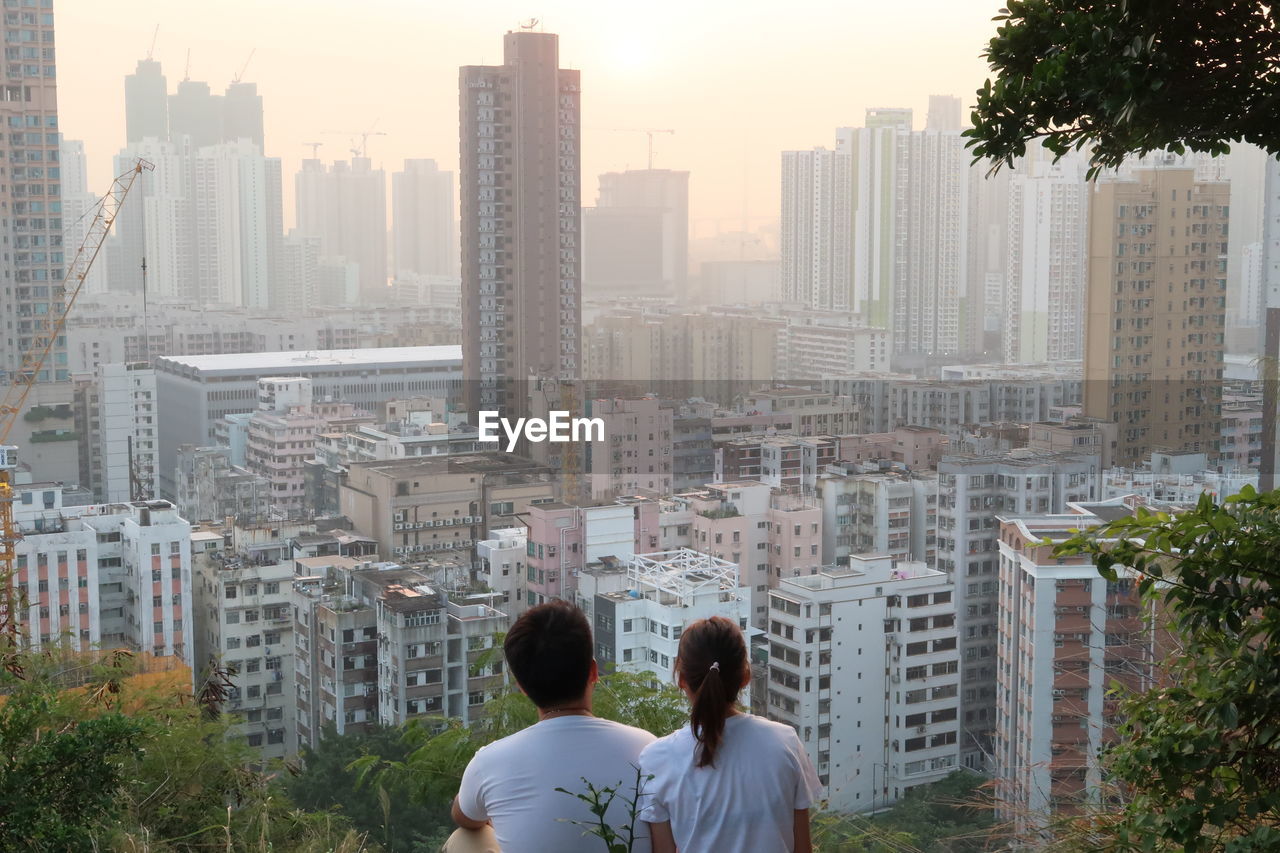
point(1065, 636)
point(863, 662)
point(424, 505)
point(870, 510)
point(1157, 310)
point(209, 488)
point(781, 461)
point(377, 644)
point(102, 575)
point(636, 454)
point(769, 533)
point(521, 193)
point(639, 616)
point(910, 446)
point(563, 539)
point(501, 568)
point(974, 491)
point(244, 623)
point(116, 422)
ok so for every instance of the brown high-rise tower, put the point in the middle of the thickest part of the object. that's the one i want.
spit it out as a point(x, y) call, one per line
point(521, 220)
point(1157, 311)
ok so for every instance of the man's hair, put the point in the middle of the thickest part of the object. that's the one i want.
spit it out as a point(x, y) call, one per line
point(549, 651)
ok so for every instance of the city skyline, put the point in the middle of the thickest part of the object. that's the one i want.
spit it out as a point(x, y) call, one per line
point(628, 59)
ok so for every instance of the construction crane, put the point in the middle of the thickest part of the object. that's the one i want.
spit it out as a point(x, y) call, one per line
point(20, 382)
point(649, 132)
point(315, 149)
point(245, 67)
point(363, 150)
point(151, 50)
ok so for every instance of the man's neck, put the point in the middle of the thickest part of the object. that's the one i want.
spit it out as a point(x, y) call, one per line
point(581, 708)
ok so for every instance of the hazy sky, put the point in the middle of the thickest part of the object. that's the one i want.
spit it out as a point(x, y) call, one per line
point(737, 81)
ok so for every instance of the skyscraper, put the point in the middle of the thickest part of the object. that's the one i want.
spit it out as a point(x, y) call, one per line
point(877, 152)
point(944, 113)
point(196, 113)
point(1270, 469)
point(32, 268)
point(423, 240)
point(78, 208)
point(931, 246)
point(521, 220)
point(242, 114)
point(1045, 271)
point(345, 205)
point(637, 236)
point(146, 103)
point(1157, 310)
point(817, 199)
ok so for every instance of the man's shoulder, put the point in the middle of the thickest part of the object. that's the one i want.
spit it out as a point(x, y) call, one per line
point(600, 733)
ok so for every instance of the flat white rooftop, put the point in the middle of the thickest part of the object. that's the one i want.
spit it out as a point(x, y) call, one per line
point(294, 360)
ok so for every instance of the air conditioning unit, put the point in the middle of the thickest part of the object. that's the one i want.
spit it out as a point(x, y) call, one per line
point(399, 527)
point(895, 678)
point(467, 519)
point(1058, 694)
point(921, 729)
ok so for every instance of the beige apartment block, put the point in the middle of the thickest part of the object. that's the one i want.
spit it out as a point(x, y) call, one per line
point(1157, 311)
point(419, 506)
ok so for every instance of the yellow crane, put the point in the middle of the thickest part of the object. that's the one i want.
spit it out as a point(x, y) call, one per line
point(18, 388)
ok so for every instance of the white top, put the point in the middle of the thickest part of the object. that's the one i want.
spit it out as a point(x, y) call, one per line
point(745, 802)
point(512, 783)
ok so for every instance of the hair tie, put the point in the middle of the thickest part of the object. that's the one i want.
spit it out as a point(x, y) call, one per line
point(715, 667)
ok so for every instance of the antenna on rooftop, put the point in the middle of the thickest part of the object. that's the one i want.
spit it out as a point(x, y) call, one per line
point(529, 24)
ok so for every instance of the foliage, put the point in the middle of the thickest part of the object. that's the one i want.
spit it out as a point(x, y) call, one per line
point(1129, 77)
point(598, 801)
point(327, 782)
point(59, 770)
point(39, 413)
point(949, 816)
point(95, 755)
point(1199, 757)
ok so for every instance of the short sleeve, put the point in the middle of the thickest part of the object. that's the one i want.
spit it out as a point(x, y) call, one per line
point(470, 796)
point(653, 809)
point(808, 786)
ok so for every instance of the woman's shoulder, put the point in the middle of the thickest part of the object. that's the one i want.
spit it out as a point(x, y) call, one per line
point(764, 729)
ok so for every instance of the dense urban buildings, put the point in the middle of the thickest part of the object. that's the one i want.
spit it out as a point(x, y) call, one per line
point(196, 392)
point(521, 222)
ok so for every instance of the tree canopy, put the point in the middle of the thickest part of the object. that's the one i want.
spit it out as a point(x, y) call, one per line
point(1125, 77)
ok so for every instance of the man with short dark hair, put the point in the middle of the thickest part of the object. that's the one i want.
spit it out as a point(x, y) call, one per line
point(508, 796)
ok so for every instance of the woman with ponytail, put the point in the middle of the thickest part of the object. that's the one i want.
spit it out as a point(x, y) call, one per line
point(728, 781)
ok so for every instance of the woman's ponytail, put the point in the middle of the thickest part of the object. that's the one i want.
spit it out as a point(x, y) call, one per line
point(712, 663)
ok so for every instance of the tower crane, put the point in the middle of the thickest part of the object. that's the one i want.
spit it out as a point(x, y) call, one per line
point(363, 150)
point(647, 131)
point(244, 68)
point(19, 383)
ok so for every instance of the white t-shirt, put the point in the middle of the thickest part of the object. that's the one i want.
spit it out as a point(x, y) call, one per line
point(512, 783)
point(744, 802)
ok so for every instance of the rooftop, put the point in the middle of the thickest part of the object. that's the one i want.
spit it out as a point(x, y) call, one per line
point(263, 363)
